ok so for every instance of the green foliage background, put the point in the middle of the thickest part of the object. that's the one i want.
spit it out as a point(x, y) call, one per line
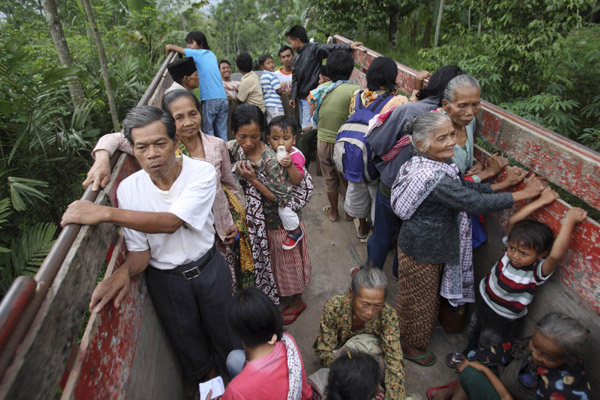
point(537, 58)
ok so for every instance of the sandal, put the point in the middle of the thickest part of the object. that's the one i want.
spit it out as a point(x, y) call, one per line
point(364, 236)
point(294, 314)
point(432, 390)
point(326, 211)
point(453, 360)
point(421, 357)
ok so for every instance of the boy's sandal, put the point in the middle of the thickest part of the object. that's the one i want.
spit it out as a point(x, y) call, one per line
point(421, 357)
point(432, 390)
point(453, 360)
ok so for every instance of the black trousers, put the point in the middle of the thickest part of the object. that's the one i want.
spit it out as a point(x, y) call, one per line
point(487, 328)
point(194, 313)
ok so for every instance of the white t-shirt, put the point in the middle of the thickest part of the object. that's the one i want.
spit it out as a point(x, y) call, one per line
point(285, 79)
point(190, 198)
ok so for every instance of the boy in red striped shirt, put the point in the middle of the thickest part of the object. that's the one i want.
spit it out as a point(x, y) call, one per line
point(530, 258)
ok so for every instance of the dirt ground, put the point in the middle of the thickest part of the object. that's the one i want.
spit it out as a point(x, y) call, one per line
point(334, 250)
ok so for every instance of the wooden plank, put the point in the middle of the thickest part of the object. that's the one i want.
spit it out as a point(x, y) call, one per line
point(43, 354)
point(154, 361)
point(102, 367)
point(13, 304)
point(45, 351)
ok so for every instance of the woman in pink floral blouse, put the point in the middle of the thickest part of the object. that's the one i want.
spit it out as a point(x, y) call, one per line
point(184, 107)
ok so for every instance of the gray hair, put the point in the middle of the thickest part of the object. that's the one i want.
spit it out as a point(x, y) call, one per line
point(460, 81)
point(567, 332)
point(423, 127)
point(368, 278)
point(141, 116)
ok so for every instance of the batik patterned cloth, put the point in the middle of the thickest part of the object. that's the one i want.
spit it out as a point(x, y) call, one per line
point(416, 179)
point(256, 221)
point(336, 329)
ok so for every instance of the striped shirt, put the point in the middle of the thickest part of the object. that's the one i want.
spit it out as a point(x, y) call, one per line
point(270, 84)
point(508, 290)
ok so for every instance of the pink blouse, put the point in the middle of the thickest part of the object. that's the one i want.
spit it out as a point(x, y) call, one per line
point(215, 151)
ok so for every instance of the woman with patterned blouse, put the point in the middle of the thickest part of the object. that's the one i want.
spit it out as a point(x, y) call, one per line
point(547, 366)
point(363, 312)
point(227, 208)
point(266, 186)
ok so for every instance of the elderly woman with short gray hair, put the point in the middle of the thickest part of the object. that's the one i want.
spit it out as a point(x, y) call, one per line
point(362, 320)
point(433, 200)
point(549, 365)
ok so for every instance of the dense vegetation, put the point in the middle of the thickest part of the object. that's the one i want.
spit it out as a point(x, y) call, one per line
point(537, 58)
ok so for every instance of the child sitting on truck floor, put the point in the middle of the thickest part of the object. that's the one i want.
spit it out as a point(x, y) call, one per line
point(281, 132)
point(529, 260)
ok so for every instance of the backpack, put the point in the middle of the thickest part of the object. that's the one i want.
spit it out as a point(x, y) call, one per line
point(352, 154)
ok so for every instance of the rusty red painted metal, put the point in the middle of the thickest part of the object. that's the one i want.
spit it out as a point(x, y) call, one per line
point(563, 162)
point(29, 305)
point(108, 346)
point(566, 163)
point(579, 268)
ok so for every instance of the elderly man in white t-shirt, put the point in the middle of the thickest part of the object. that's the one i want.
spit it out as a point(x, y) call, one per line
point(166, 214)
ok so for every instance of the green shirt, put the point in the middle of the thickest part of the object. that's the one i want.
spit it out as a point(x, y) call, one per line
point(336, 329)
point(334, 111)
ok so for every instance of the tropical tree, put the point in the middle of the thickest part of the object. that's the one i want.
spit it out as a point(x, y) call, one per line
point(62, 49)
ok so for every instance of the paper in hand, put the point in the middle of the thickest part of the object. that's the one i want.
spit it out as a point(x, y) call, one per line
point(215, 384)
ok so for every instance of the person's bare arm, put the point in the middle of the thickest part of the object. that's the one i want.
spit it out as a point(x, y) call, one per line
point(547, 197)
point(172, 47)
point(533, 187)
point(99, 175)
point(116, 286)
point(293, 173)
point(418, 83)
point(88, 213)
point(575, 216)
point(494, 380)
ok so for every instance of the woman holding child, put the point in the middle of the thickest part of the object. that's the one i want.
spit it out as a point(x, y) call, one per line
point(267, 186)
point(227, 209)
point(432, 200)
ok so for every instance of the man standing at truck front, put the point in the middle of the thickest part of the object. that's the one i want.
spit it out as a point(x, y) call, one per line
point(306, 68)
point(166, 214)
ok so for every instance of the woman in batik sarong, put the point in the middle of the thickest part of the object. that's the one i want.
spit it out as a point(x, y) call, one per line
point(266, 186)
point(432, 200)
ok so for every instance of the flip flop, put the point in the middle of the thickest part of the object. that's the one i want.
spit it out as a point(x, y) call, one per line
point(421, 357)
point(362, 237)
point(295, 314)
point(326, 211)
point(453, 360)
point(432, 390)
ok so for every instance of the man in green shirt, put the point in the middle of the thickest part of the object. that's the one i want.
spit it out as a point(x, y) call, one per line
point(333, 109)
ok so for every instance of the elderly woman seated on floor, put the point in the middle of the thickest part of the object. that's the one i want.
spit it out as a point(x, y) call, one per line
point(547, 366)
point(362, 320)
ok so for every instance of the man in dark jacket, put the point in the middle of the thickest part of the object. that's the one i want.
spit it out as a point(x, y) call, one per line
point(306, 67)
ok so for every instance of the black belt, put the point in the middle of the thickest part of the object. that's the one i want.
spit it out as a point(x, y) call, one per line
point(192, 269)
